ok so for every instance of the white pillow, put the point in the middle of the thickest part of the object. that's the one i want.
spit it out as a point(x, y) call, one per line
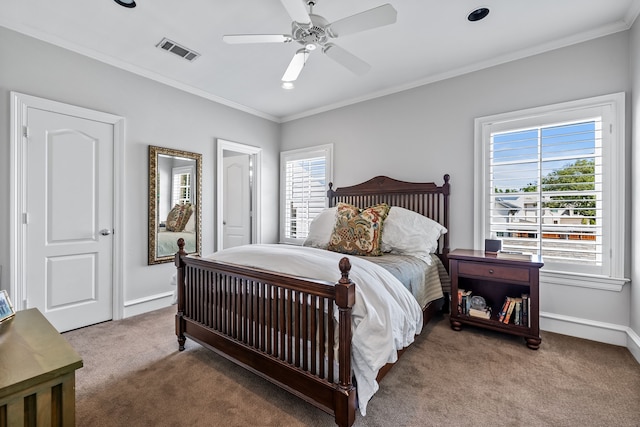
point(191, 224)
point(409, 233)
point(321, 228)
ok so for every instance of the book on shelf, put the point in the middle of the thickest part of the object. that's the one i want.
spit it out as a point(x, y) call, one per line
point(517, 313)
point(526, 308)
point(504, 309)
point(512, 303)
point(483, 314)
point(464, 301)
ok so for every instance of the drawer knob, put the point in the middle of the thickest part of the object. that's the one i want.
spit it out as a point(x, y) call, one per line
point(491, 271)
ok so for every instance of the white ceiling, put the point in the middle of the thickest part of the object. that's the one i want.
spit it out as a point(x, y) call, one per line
point(431, 40)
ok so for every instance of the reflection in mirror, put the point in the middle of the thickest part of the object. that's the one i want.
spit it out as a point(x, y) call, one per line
point(175, 178)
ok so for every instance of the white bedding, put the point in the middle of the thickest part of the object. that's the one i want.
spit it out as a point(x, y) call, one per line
point(167, 242)
point(386, 317)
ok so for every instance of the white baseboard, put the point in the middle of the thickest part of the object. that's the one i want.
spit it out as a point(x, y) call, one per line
point(633, 344)
point(608, 333)
point(150, 303)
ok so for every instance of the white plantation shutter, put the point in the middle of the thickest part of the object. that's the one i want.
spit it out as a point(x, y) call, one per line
point(552, 183)
point(546, 191)
point(305, 177)
point(182, 190)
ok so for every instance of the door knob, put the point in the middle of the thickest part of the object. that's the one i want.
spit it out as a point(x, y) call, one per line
point(105, 232)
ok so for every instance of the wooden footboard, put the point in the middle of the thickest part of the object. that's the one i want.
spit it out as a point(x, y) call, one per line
point(278, 326)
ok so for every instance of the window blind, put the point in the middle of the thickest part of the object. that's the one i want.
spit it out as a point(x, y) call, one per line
point(181, 191)
point(546, 193)
point(305, 193)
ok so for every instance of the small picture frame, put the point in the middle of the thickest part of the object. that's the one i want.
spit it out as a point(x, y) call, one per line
point(6, 309)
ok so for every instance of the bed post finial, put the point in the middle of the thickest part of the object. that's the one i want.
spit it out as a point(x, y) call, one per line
point(180, 323)
point(345, 298)
point(345, 267)
point(446, 185)
point(331, 195)
point(181, 246)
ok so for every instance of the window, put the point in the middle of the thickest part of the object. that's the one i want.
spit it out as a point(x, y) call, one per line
point(550, 181)
point(181, 192)
point(304, 177)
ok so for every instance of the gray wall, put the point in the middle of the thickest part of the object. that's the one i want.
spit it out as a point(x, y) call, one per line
point(425, 132)
point(419, 134)
point(155, 115)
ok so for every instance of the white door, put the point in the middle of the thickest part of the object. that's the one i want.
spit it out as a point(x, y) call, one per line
point(69, 218)
point(238, 184)
point(237, 200)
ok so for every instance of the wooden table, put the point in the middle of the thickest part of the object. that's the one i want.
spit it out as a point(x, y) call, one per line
point(37, 373)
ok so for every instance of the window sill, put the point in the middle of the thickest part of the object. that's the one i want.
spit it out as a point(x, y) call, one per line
point(583, 280)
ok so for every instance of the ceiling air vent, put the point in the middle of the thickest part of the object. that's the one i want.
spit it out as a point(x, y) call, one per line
point(176, 49)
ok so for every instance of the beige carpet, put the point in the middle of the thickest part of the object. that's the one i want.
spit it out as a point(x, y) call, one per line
point(133, 375)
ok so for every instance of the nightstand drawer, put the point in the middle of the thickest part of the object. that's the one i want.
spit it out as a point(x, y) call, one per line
point(493, 271)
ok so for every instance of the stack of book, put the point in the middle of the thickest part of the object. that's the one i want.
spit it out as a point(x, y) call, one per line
point(464, 301)
point(464, 306)
point(483, 314)
point(515, 310)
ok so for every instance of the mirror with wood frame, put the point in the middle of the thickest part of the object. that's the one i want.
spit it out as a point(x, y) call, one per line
point(175, 181)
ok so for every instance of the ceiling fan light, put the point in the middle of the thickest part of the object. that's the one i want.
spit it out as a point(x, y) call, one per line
point(288, 85)
point(295, 66)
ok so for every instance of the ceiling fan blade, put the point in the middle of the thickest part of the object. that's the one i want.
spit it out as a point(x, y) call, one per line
point(372, 18)
point(346, 59)
point(256, 38)
point(296, 65)
point(297, 11)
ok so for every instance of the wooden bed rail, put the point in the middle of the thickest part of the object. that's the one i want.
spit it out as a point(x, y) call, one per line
point(278, 326)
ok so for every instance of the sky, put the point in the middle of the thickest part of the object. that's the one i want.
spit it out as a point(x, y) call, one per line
point(516, 154)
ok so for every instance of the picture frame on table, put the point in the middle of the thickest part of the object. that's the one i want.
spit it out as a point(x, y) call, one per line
point(6, 309)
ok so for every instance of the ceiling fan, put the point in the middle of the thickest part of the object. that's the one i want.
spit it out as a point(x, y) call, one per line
point(313, 32)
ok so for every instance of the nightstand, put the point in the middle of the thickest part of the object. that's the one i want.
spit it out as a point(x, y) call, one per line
point(509, 284)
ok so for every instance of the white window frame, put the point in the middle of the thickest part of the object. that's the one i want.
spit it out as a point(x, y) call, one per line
point(326, 151)
point(611, 275)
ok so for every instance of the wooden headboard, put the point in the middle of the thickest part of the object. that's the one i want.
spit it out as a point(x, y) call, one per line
point(425, 198)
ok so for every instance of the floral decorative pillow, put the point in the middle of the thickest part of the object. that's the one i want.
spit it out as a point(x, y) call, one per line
point(178, 217)
point(358, 231)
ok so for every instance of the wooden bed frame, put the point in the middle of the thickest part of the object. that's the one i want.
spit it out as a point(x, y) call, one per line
point(258, 319)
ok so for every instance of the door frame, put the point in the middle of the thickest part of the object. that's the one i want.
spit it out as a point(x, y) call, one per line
point(256, 152)
point(17, 171)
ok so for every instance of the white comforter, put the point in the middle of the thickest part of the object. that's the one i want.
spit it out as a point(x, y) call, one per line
point(386, 317)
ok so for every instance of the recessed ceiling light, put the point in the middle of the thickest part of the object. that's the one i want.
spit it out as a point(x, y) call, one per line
point(478, 14)
point(126, 3)
point(287, 85)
